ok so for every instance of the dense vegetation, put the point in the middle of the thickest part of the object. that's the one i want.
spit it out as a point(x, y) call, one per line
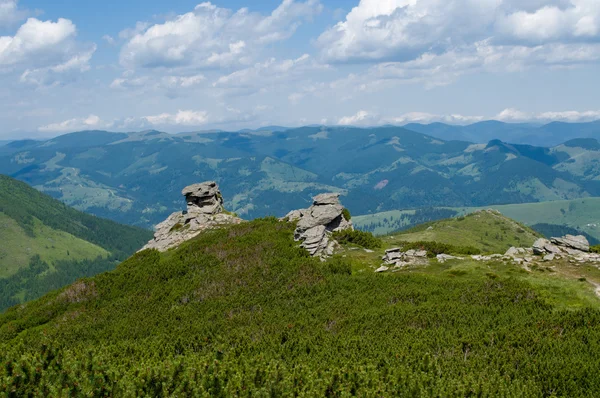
point(244, 312)
point(73, 244)
point(359, 238)
point(434, 248)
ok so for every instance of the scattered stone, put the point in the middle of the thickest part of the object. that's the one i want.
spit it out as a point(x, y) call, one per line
point(383, 268)
point(318, 222)
point(204, 211)
point(549, 257)
point(442, 258)
point(398, 259)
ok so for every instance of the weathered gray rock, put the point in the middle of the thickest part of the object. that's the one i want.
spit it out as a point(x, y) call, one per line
point(397, 258)
point(574, 242)
point(539, 247)
point(316, 224)
point(326, 199)
point(204, 211)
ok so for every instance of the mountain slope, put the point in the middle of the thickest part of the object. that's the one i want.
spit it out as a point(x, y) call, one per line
point(243, 311)
point(44, 242)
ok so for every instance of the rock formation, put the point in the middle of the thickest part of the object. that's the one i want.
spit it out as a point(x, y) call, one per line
point(318, 222)
point(396, 258)
point(204, 211)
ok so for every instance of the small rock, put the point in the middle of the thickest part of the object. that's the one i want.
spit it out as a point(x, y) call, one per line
point(383, 268)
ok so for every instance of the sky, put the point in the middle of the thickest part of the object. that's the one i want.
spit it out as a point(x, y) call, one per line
point(185, 65)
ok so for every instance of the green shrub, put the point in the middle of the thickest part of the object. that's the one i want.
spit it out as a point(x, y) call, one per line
point(346, 214)
point(435, 248)
point(359, 238)
point(595, 249)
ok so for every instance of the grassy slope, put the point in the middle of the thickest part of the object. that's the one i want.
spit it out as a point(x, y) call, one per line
point(488, 231)
point(70, 244)
point(583, 214)
point(51, 245)
point(243, 310)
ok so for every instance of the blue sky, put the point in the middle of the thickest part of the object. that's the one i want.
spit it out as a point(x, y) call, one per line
point(192, 65)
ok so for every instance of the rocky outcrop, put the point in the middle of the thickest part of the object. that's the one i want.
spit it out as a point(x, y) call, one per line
point(316, 224)
point(573, 248)
point(395, 258)
point(204, 211)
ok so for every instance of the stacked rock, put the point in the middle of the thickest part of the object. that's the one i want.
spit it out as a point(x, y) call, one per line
point(318, 222)
point(204, 211)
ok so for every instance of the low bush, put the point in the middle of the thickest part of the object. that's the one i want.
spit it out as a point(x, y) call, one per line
point(359, 238)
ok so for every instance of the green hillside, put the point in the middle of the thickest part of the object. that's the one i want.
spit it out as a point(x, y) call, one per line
point(46, 245)
point(243, 311)
point(581, 214)
point(488, 231)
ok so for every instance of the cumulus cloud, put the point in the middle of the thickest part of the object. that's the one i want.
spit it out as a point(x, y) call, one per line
point(402, 30)
point(436, 41)
point(46, 50)
point(87, 123)
point(210, 36)
point(183, 118)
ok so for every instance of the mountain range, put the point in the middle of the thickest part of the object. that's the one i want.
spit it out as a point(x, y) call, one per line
point(136, 177)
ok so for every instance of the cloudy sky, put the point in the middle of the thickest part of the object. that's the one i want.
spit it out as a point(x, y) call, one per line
point(231, 64)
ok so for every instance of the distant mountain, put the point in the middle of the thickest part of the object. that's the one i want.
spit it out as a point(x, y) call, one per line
point(46, 245)
point(547, 135)
point(2, 143)
point(136, 177)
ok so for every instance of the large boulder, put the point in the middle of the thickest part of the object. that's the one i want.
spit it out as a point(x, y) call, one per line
point(204, 211)
point(316, 224)
point(579, 242)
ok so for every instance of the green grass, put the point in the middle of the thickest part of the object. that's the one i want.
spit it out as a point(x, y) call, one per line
point(487, 231)
point(243, 311)
point(51, 245)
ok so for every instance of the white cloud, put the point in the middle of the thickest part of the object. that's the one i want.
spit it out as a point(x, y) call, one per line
point(515, 115)
point(433, 42)
point(109, 39)
point(210, 36)
point(365, 118)
point(46, 50)
point(184, 118)
point(360, 118)
point(266, 73)
point(87, 123)
point(10, 13)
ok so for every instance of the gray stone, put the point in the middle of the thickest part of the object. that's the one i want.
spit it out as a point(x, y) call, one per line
point(513, 251)
point(204, 211)
point(316, 224)
point(327, 199)
point(549, 257)
point(539, 246)
point(574, 242)
point(383, 268)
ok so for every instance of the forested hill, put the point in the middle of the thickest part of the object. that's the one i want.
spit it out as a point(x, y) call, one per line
point(46, 244)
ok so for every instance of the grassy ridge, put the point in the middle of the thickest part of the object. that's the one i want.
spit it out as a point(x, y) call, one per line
point(243, 311)
point(581, 214)
point(487, 231)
